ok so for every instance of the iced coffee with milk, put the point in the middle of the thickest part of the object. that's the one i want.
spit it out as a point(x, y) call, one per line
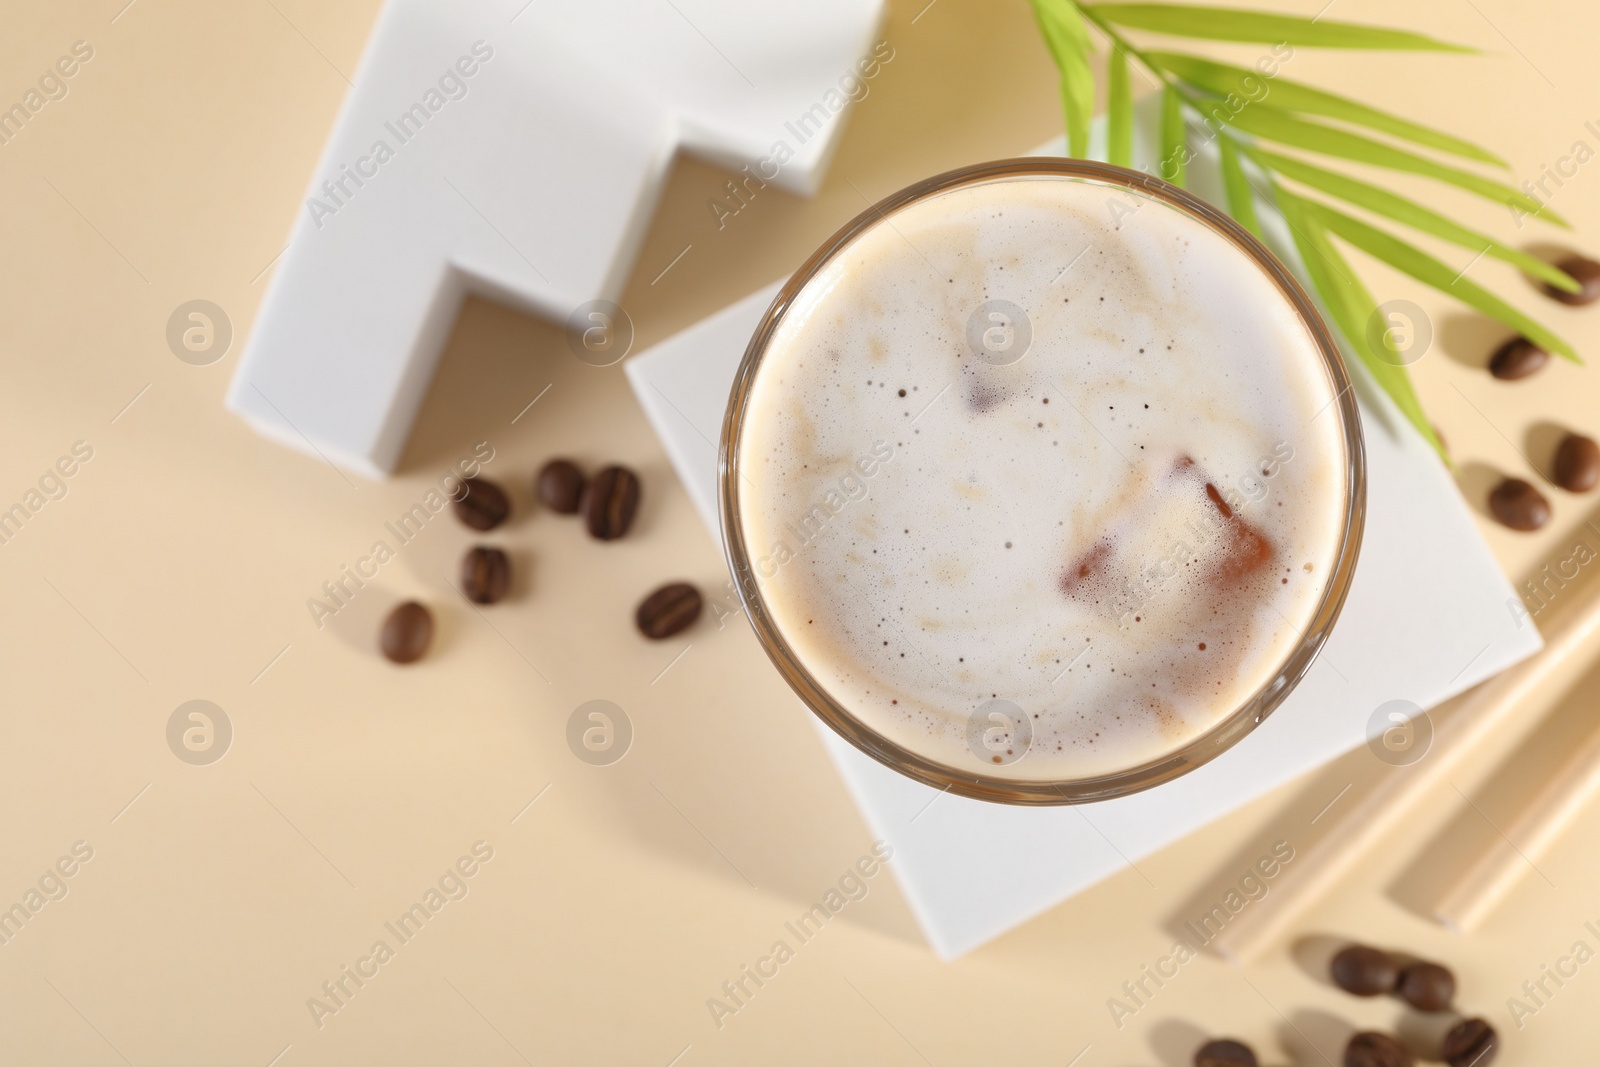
point(1040, 479)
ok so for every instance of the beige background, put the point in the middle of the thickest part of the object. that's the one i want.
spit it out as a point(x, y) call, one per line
point(178, 566)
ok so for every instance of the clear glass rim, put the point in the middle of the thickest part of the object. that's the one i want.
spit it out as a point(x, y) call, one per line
point(1199, 750)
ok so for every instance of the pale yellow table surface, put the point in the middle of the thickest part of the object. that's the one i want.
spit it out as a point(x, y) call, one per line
point(220, 898)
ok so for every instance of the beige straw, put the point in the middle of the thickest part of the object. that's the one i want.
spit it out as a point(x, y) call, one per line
point(1469, 901)
point(1475, 716)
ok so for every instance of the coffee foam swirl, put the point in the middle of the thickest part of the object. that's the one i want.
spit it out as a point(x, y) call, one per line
point(1123, 532)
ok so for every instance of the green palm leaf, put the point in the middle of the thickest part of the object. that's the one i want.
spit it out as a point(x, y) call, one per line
point(1246, 113)
point(1062, 20)
point(1119, 110)
point(1222, 79)
point(1383, 202)
point(1430, 271)
point(1241, 198)
point(1068, 40)
point(1174, 149)
point(1231, 24)
point(1351, 307)
point(1284, 128)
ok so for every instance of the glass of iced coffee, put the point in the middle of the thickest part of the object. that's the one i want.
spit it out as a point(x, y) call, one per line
point(1042, 482)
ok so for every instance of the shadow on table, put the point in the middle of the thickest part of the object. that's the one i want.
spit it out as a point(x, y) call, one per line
point(1241, 880)
point(1174, 1041)
point(1469, 338)
point(725, 774)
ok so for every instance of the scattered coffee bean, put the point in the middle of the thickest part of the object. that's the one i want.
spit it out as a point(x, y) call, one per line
point(406, 633)
point(609, 503)
point(1517, 358)
point(1577, 463)
point(1471, 1043)
point(1224, 1052)
point(1586, 272)
point(1517, 504)
point(485, 574)
point(484, 505)
point(669, 610)
point(1427, 986)
point(560, 485)
point(1372, 1049)
point(1366, 972)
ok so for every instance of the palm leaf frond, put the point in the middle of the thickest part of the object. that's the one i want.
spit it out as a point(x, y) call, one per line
point(1254, 113)
point(1396, 207)
point(1222, 79)
point(1119, 110)
point(1232, 24)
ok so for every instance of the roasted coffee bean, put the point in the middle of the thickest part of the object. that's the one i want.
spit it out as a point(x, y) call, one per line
point(1366, 972)
point(485, 574)
point(560, 486)
point(609, 503)
point(1577, 463)
point(1427, 986)
point(1471, 1043)
point(1586, 272)
point(484, 505)
point(1517, 358)
point(1372, 1049)
point(1224, 1052)
point(1517, 504)
point(406, 633)
point(669, 610)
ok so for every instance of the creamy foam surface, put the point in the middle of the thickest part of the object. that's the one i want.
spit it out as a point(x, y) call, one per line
point(1122, 533)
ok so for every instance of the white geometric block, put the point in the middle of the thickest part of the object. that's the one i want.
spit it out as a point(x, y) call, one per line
point(1429, 614)
point(518, 154)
